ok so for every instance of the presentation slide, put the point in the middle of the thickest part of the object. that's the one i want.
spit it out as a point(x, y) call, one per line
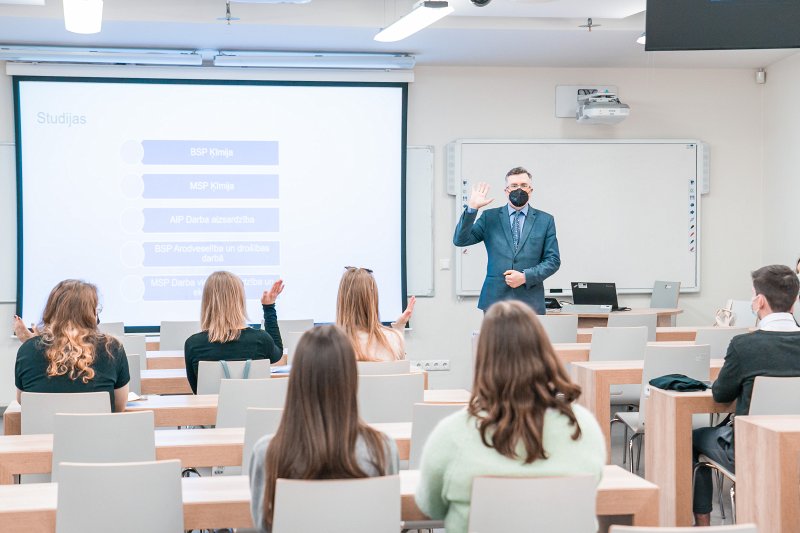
point(145, 187)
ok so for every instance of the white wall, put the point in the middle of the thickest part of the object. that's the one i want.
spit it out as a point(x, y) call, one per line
point(720, 107)
point(782, 163)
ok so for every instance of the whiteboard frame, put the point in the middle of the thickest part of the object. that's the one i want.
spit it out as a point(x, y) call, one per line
point(458, 185)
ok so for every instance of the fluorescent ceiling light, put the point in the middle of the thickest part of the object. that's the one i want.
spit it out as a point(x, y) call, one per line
point(83, 16)
point(423, 15)
point(642, 38)
point(130, 56)
point(328, 60)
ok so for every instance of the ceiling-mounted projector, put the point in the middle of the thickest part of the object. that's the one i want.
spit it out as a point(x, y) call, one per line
point(601, 108)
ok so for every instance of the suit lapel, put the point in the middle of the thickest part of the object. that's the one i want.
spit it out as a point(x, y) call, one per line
point(526, 229)
point(505, 223)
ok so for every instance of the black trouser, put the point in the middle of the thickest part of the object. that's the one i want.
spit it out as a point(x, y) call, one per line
point(715, 443)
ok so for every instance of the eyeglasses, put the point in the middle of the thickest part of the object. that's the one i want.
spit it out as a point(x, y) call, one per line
point(359, 268)
point(99, 308)
point(515, 186)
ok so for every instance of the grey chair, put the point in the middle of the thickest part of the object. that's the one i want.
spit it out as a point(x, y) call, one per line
point(389, 398)
point(103, 438)
point(155, 486)
point(620, 344)
point(630, 320)
point(38, 409)
point(718, 339)
point(743, 316)
point(135, 371)
point(117, 329)
point(210, 373)
point(665, 294)
point(424, 418)
point(690, 360)
point(377, 368)
point(318, 505)
point(236, 395)
point(523, 505)
point(560, 328)
point(136, 344)
point(259, 421)
point(298, 325)
point(175, 332)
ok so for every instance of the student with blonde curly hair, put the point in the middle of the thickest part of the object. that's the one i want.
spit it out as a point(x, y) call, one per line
point(67, 353)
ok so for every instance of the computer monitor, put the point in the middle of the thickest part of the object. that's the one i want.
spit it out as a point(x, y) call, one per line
point(588, 293)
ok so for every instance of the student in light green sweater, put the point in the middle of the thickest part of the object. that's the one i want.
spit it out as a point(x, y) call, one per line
point(521, 420)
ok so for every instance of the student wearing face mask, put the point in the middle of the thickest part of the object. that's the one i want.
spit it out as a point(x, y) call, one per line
point(520, 242)
point(772, 350)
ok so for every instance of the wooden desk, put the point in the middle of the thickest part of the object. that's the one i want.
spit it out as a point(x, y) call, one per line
point(590, 320)
point(668, 448)
point(768, 472)
point(224, 501)
point(201, 410)
point(663, 334)
point(596, 378)
point(574, 352)
point(159, 359)
point(33, 454)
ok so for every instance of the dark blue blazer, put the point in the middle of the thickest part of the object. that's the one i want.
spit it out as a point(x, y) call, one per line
point(537, 256)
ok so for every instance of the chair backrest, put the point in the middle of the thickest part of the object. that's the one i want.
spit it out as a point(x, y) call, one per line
point(175, 332)
point(135, 371)
point(692, 360)
point(738, 528)
point(775, 396)
point(523, 505)
point(109, 490)
point(300, 325)
point(39, 408)
point(106, 438)
point(210, 373)
point(560, 328)
point(321, 505)
point(629, 320)
point(665, 294)
point(236, 395)
point(136, 344)
point(290, 340)
point(116, 329)
point(718, 339)
point(389, 398)
point(259, 421)
point(743, 316)
point(425, 416)
point(376, 368)
point(618, 344)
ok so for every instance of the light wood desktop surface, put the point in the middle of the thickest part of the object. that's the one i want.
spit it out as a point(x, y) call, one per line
point(590, 320)
point(33, 454)
point(667, 333)
point(224, 501)
point(573, 352)
point(768, 472)
point(595, 379)
point(668, 448)
point(201, 409)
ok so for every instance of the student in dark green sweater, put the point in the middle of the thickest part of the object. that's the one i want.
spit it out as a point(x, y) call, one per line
point(226, 335)
point(772, 350)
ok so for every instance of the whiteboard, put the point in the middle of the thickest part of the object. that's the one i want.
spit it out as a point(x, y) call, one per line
point(8, 224)
point(419, 220)
point(626, 211)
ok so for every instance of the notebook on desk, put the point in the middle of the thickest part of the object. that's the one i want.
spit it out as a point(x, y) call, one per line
point(588, 293)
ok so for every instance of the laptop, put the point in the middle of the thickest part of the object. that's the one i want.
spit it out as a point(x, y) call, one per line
point(588, 293)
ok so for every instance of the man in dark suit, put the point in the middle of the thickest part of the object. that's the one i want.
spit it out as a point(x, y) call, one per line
point(520, 241)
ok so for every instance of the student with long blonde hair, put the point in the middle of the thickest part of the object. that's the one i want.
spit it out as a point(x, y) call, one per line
point(521, 420)
point(357, 314)
point(321, 435)
point(225, 335)
point(67, 353)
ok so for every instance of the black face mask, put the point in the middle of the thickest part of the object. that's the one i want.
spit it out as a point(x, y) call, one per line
point(518, 197)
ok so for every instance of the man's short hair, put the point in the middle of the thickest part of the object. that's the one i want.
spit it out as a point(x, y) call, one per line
point(518, 170)
point(778, 284)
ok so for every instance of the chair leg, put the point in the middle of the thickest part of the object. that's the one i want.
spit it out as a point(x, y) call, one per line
point(733, 503)
point(630, 452)
point(639, 453)
point(720, 480)
point(623, 448)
